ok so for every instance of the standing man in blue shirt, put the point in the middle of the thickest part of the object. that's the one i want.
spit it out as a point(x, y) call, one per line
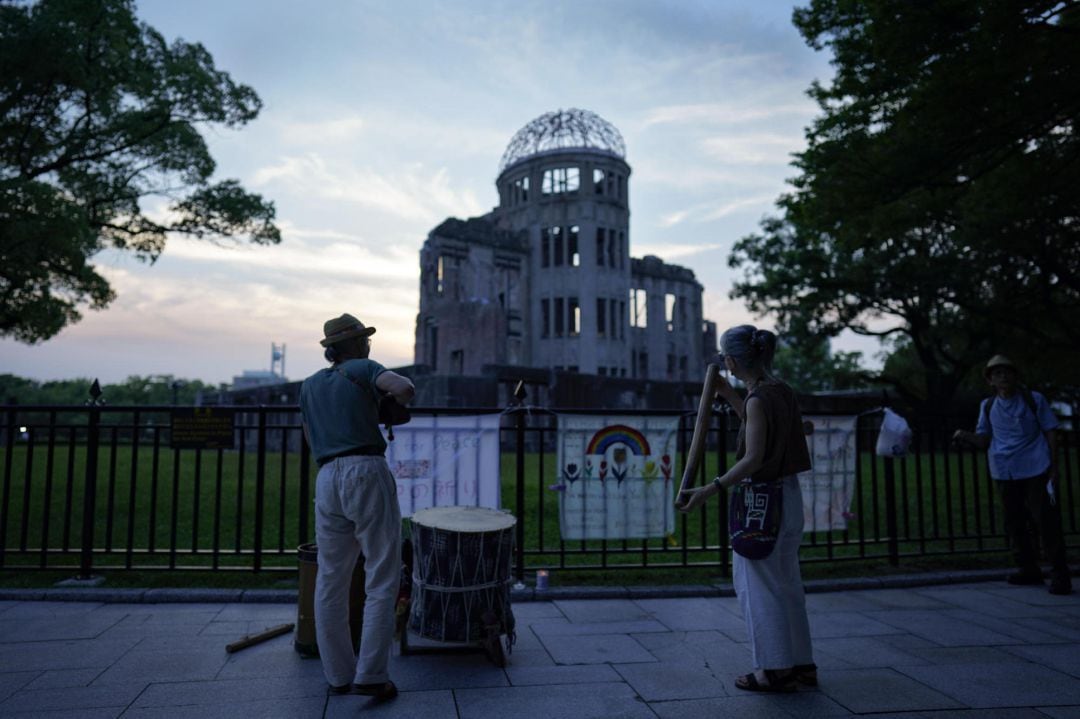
point(1016, 426)
point(356, 506)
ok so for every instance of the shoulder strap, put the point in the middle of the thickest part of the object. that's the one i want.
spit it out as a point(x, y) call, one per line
point(986, 411)
point(363, 388)
point(1029, 400)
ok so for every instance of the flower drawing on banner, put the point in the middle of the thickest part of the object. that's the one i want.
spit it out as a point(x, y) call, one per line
point(588, 469)
point(619, 468)
point(665, 467)
point(649, 471)
point(603, 469)
point(572, 473)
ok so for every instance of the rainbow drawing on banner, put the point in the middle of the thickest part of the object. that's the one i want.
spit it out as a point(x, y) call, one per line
point(618, 434)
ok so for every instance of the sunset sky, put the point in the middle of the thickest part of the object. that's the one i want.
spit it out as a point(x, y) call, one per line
point(381, 119)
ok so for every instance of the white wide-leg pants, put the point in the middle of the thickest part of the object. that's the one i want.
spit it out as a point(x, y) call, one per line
point(356, 511)
point(770, 593)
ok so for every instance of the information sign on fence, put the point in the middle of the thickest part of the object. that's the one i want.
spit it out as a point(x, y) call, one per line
point(828, 487)
point(201, 428)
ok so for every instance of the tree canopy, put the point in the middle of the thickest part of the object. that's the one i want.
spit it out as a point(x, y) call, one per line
point(936, 198)
point(99, 118)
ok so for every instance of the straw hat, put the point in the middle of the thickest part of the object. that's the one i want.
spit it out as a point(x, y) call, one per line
point(343, 328)
point(998, 361)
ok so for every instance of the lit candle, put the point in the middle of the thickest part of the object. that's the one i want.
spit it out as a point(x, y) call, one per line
point(541, 579)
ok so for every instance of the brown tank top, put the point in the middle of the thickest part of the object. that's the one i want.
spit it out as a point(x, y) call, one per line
point(785, 444)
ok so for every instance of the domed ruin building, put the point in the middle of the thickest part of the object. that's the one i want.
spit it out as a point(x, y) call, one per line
point(546, 280)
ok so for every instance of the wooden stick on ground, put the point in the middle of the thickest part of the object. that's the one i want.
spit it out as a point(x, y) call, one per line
point(701, 429)
point(251, 639)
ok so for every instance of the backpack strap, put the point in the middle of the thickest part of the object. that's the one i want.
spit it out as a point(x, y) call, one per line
point(1029, 400)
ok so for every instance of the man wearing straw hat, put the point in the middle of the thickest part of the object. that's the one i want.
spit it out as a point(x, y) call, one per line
point(1016, 426)
point(356, 506)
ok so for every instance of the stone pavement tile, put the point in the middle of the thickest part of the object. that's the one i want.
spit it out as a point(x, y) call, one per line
point(684, 645)
point(561, 627)
point(1015, 713)
point(46, 610)
point(942, 630)
point(81, 713)
point(1000, 685)
point(967, 655)
point(198, 694)
point(1063, 628)
point(11, 682)
point(530, 658)
point(1061, 712)
point(882, 690)
point(47, 629)
point(153, 662)
point(408, 705)
point(56, 678)
point(694, 614)
point(7, 604)
point(907, 642)
point(571, 701)
point(805, 705)
point(1009, 627)
point(72, 698)
point(269, 613)
point(861, 652)
point(272, 658)
point(667, 681)
point(840, 602)
point(552, 675)
point(904, 599)
point(990, 603)
point(231, 629)
point(526, 640)
point(445, 671)
point(1063, 657)
point(595, 649)
point(584, 611)
point(1038, 596)
point(176, 613)
point(849, 624)
point(302, 708)
point(79, 654)
point(528, 611)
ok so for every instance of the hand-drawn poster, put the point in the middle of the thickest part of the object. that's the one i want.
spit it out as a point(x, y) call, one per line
point(829, 487)
point(615, 476)
point(446, 461)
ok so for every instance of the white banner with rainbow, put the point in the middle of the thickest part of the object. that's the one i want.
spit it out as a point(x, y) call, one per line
point(615, 476)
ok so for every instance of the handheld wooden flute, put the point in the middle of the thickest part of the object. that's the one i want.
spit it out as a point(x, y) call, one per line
point(701, 428)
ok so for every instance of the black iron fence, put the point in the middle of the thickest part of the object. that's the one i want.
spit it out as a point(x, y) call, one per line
point(109, 488)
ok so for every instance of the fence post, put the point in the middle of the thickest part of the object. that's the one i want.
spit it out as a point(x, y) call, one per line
point(93, 419)
point(260, 488)
point(9, 445)
point(890, 511)
point(519, 499)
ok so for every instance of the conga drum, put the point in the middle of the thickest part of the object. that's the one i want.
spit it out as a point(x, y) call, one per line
point(461, 574)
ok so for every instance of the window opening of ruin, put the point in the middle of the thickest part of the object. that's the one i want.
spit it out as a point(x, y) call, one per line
point(669, 311)
point(602, 371)
point(545, 318)
point(623, 251)
point(557, 241)
point(599, 246)
point(611, 249)
point(601, 317)
point(573, 317)
point(612, 309)
point(598, 181)
point(545, 248)
point(560, 318)
point(559, 180)
point(622, 313)
point(639, 308)
point(457, 362)
point(572, 256)
point(439, 276)
point(671, 366)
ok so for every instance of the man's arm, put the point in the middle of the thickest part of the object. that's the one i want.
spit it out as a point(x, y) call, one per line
point(400, 387)
point(981, 441)
point(1051, 439)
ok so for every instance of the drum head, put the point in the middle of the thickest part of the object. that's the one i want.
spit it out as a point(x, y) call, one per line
point(464, 519)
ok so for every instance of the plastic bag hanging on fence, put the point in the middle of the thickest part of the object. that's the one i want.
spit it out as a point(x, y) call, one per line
point(895, 435)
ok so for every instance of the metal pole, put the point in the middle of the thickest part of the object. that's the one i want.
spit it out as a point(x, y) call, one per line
point(890, 511)
point(86, 559)
point(519, 509)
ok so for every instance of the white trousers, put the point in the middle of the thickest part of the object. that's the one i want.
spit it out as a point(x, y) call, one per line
point(770, 593)
point(356, 511)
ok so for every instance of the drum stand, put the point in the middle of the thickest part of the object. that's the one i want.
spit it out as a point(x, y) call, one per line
point(491, 645)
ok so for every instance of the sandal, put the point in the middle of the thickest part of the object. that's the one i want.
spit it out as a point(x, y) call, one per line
point(776, 682)
point(805, 674)
point(381, 691)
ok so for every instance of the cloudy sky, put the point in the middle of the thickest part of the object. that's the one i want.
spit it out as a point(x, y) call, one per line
point(381, 119)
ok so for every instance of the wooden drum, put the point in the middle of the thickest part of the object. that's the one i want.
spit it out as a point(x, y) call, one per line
point(461, 573)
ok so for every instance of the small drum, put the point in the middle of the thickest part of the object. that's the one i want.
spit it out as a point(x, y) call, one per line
point(461, 573)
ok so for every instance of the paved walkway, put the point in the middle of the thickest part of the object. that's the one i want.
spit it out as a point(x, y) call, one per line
point(983, 650)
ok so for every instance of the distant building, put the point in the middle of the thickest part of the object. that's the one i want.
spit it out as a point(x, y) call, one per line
point(546, 281)
point(261, 377)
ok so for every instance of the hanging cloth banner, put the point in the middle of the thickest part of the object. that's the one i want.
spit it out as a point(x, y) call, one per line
point(445, 461)
point(829, 487)
point(615, 476)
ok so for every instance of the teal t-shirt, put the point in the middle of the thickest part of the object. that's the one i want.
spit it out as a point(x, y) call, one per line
point(340, 415)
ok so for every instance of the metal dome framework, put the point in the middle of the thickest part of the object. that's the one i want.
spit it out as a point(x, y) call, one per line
point(563, 130)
